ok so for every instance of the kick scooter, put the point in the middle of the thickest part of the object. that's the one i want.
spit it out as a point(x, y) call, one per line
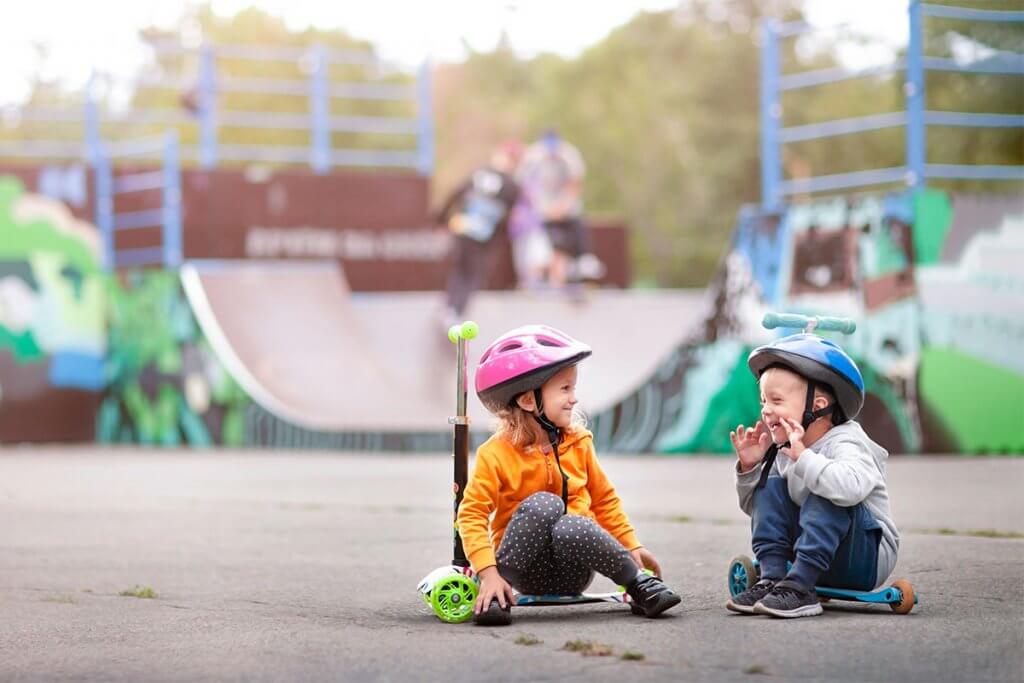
point(744, 572)
point(451, 590)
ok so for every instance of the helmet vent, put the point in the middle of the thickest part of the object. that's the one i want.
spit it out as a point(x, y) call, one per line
point(510, 347)
point(547, 342)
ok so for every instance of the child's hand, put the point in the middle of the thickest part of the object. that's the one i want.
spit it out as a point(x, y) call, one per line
point(750, 444)
point(795, 434)
point(645, 560)
point(492, 586)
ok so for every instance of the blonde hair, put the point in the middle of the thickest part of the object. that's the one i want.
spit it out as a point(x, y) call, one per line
point(515, 425)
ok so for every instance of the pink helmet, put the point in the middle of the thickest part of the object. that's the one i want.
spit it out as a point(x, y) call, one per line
point(522, 360)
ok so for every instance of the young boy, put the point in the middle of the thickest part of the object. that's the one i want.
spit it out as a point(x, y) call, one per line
point(822, 504)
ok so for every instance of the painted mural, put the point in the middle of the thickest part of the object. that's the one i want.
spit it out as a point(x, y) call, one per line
point(165, 387)
point(933, 281)
point(935, 286)
point(85, 355)
point(52, 336)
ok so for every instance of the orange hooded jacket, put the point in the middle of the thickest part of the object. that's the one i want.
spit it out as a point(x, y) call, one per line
point(504, 476)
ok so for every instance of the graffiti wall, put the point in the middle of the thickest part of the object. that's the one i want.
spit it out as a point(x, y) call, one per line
point(85, 355)
point(935, 285)
point(165, 385)
point(52, 311)
point(933, 281)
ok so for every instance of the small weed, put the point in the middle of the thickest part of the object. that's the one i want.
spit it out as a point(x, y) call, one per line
point(527, 639)
point(682, 519)
point(992, 533)
point(87, 590)
point(632, 656)
point(61, 599)
point(139, 592)
point(588, 648)
point(976, 533)
point(755, 669)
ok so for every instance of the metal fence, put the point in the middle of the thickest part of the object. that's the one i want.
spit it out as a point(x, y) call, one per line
point(916, 117)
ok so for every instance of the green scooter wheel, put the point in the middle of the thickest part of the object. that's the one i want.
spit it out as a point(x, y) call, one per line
point(453, 597)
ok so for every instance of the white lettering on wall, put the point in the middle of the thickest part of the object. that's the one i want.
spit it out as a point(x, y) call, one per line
point(350, 245)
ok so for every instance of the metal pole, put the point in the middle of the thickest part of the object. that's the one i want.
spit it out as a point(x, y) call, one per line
point(172, 201)
point(319, 110)
point(913, 90)
point(207, 104)
point(424, 121)
point(460, 450)
point(771, 115)
point(93, 141)
point(104, 204)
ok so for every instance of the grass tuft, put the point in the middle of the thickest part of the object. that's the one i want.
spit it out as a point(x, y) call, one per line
point(976, 533)
point(144, 592)
point(527, 639)
point(588, 648)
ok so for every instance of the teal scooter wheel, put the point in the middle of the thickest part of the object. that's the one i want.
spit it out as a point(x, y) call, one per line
point(742, 575)
point(453, 597)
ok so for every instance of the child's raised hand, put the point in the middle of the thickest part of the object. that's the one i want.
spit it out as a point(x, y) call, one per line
point(750, 444)
point(645, 560)
point(795, 434)
point(492, 586)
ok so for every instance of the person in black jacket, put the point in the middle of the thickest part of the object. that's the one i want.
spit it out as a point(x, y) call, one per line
point(477, 214)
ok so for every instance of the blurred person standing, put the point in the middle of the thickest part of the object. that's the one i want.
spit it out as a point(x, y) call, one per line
point(552, 170)
point(477, 214)
point(531, 246)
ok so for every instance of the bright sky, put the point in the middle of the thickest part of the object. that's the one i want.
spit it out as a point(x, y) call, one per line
point(66, 39)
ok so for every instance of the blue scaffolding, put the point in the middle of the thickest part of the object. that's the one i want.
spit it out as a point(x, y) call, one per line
point(915, 172)
point(209, 113)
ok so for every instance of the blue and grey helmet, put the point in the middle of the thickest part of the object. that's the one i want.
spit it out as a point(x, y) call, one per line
point(819, 361)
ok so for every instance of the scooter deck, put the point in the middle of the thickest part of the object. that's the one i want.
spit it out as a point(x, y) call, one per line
point(886, 596)
point(581, 599)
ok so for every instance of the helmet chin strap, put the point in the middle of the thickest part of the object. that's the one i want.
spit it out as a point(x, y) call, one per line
point(555, 438)
point(810, 414)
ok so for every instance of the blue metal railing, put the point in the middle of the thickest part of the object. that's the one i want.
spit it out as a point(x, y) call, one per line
point(916, 118)
point(412, 134)
point(318, 121)
point(166, 216)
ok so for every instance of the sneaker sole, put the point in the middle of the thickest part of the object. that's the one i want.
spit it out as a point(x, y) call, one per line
point(739, 609)
point(664, 603)
point(805, 611)
point(493, 617)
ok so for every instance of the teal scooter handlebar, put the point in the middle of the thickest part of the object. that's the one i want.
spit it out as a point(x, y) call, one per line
point(809, 323)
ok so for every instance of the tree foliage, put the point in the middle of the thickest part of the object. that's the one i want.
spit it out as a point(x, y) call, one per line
point(664, 110)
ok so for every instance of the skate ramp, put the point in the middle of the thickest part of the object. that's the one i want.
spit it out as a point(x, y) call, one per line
point(311, 352)
point(286, 333)
point(631, 333)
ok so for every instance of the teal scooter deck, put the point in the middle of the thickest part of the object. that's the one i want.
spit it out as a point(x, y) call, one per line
point(900, 596)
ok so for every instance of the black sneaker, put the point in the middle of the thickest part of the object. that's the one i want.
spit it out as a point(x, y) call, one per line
point(745, 601)
point(650, 596)
point(494, 615)
point(789, 599)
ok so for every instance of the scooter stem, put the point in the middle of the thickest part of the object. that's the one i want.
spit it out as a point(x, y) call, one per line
point(460, 449)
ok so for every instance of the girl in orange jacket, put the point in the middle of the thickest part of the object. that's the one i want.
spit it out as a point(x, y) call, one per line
point(556, 517)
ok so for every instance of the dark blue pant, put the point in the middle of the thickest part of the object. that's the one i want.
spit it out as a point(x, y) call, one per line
point(828, 545)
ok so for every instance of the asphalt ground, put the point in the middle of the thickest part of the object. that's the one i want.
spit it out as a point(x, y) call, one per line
point(303, 566)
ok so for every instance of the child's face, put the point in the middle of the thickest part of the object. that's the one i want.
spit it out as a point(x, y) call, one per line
point(559, 397)
point(783, 395)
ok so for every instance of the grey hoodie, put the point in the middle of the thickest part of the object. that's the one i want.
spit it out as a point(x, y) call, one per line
point(846, 467)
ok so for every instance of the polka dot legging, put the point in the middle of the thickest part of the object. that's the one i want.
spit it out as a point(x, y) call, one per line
point(545, 551)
